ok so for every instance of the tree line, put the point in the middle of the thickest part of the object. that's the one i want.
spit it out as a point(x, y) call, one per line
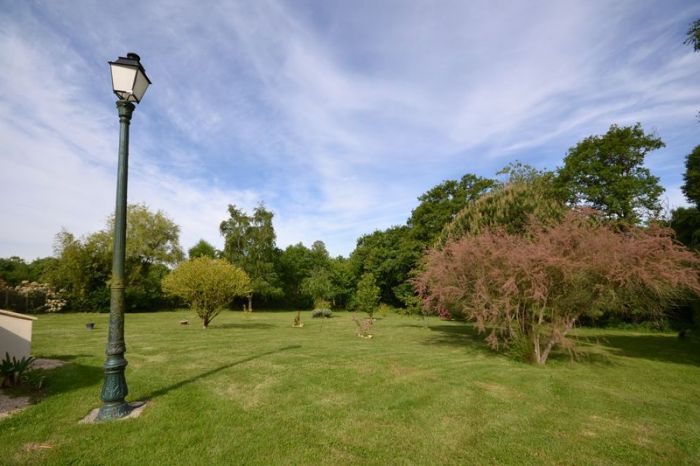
point(526, 256)
point(605, 172)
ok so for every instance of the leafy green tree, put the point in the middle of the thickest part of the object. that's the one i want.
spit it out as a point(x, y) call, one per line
point(202, 249)
point(389, 255)
point(82, 269)
point(318, 285)
point(518, 172)
point(250, 244)
point(319, 254)
point(685, 221)
point(152, 245)
point(691, 177)
point(83, 266)
point(439, 205)
point(13, 270)
point(207, 285)
point(151, 237)
point(39, 267)
point(367, 295)
point(343, 280)
point(510, 207)
point(693, 35)
point(294, 264)
point(607, 173)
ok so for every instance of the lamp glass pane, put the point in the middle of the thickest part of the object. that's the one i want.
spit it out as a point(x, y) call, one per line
point(140, 85)
point(123, 78)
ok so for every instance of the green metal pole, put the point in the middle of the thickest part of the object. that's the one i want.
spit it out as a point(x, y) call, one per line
point(114, 390)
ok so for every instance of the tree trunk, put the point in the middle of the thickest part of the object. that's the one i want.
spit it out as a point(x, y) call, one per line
point(205, 322)
point(536, 349)
point(545, 353)
point(250, 303)
point(554, 340)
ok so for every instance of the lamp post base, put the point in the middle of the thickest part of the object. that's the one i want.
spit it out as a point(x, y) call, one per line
point(110, 411)
point(135, 410)
point(114, 390)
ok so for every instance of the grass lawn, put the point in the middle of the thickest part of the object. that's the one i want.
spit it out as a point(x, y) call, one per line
point(257, 391)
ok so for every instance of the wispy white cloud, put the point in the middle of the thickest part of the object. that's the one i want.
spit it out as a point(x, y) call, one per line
point(337, 115)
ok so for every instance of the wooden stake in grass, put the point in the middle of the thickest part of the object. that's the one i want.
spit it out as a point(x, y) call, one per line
point(297, 320)
point(364, 327)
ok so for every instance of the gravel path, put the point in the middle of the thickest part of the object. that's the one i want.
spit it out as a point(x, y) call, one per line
point(47, 363)
point(11, 405)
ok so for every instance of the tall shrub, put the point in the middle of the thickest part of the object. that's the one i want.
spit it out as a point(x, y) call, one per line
point(509, 207)
point(367, 295)
point(531, 289)
point(207, 285)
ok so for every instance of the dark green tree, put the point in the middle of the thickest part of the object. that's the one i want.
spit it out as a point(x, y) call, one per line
point(685, 221)
point(693, 35)
point(319, 254)
point(83, 266)
point(82, 269)
point(439, 205)
point(366, 297)
point(151, 237)
point(389, 255)
point(39, 267)
point(319, 286)
point(509, 207)
point(691, 177)
point(250, 244)
point(152, 245)
point(607, 173)
point(202, 249)
point(343, 280)
point(296, 263)
point(519, 173)
point(13, 270)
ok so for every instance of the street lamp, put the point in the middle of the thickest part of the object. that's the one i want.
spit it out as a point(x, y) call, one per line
point(129, 82)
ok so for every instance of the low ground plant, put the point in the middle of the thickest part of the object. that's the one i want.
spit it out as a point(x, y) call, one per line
point(384, 310)
point(15, 372)
point(322, 312)
point(364, 326)
point(322, 308)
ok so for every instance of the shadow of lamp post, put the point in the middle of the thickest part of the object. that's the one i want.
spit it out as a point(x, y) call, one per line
point(129, 82)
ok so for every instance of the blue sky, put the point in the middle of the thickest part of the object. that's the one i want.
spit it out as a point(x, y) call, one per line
point(336, 114)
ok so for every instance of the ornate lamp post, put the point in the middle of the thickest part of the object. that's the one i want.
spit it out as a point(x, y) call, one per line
point(129, 82)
